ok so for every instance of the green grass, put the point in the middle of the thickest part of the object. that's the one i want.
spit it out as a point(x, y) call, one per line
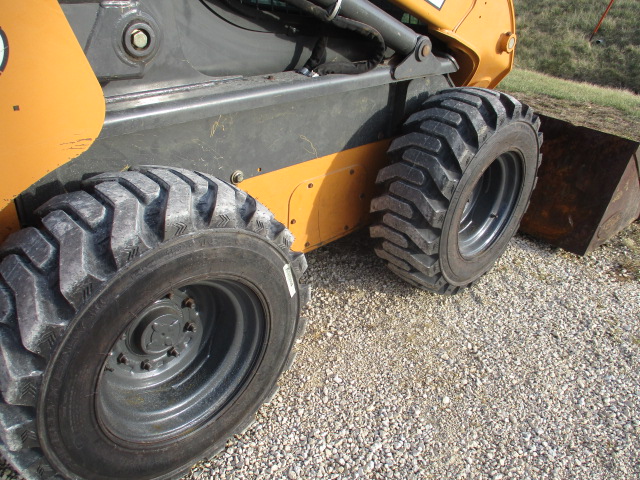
point(553, 38)
point(525, 81)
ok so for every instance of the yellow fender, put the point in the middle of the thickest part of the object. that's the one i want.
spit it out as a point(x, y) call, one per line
point(481, 34)
point(51, 104)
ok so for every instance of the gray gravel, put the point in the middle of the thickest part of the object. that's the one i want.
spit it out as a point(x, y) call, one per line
point(531, 374)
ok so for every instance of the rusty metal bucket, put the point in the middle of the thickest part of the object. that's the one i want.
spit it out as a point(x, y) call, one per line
point(588, 187)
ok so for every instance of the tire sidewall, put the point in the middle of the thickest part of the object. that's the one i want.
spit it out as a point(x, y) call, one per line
point(68, 427)
point(518, 137)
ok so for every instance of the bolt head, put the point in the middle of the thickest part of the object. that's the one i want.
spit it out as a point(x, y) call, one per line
point(237, 176)
point(139, 39)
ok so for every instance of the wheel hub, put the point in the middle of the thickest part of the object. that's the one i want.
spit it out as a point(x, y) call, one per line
point(164, 331)
point(180, 360)
point(490, 205)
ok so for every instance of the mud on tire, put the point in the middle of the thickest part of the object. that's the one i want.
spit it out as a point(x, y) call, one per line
point(459, 182)
point(142, 325)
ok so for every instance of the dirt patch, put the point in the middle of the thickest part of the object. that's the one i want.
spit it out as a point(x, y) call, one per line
point(606, 119)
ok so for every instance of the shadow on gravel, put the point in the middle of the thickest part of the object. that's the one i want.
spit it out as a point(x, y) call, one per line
point(364, 267)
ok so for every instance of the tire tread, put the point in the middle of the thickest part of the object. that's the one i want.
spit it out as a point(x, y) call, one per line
point(428, 161)
point(48, 274)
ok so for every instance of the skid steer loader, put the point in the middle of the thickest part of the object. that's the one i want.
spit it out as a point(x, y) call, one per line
point(167, 163)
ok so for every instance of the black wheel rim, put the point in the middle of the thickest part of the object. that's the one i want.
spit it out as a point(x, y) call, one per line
point(490, 205)
point(180, 362)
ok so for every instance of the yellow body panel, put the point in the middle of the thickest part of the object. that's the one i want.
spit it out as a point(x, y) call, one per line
point(322, 199)
point(447, 17)
point(51, 104)
point(477, 31)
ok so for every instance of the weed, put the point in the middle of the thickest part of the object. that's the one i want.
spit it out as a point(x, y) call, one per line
point(533, 82)
point(553, 37)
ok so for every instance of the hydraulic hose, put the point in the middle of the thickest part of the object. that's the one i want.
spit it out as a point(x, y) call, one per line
point(318, 54)
point(369, 33)
point(396, 34)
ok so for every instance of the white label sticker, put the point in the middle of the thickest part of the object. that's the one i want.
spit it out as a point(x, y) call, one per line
point(290, 281)
point(436, 3)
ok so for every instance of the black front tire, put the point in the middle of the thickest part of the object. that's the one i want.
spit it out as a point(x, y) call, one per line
point(459, 183)
point(142, 326)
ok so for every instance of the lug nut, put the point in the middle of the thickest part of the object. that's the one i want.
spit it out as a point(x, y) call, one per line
point(189, 303)
point(190, 327)
point(173, 352)
point(122, 359)
point(146, 365)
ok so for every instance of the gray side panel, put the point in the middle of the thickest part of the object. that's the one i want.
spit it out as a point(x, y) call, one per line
point(266, 131)
point(82, 17)
point(217, 48)
point(190, 43)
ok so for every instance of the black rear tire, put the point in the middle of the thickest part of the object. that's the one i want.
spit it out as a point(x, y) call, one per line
point(459, 183)
point(142, 326)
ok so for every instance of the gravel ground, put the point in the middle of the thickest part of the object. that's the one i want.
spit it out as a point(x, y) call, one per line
point(532, 374)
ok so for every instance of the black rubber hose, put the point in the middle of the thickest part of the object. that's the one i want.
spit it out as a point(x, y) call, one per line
point(249, 12)
point(318, 53)
point(396, 34)
point(352, 68)
point(310, 8)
